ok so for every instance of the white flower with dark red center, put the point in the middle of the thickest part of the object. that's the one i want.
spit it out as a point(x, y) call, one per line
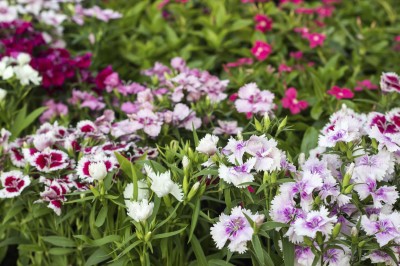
point(16, 156)
point(84, 165)
point(265, 151)
point(315, 221)
point(98, 170)
point(49, 160)
point(162, 184)
point(54, 193)
point(139, 210)
point(235, 228)
point(111, 147)
point(13, 183)
point(208, 144)
point(390, 82)
point(86, 127)
point(238, 175)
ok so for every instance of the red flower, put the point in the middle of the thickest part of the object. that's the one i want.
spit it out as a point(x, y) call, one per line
point(261, 50)
point(263, 23)
point(50, 160)
point(291, 102)
point(341, 93)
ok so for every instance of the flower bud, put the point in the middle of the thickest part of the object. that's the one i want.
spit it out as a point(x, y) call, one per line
point(354, 231)
point(362, 243)
point(349, 189)
point(336, 230)
point(193, 190)
point(302, 158)
point(185, 162)
point(347, 176)
point(267, 122)
point(3, 94)
point(98, 170)
point(147, 237)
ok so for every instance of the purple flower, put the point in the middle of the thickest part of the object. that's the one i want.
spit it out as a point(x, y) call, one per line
point(235, 228)
point(265, 151)
point(237, 175)
point(235, 150)
point(385, 229)
point(148, 121)
point(253, 100)
point(227, 127)
point(315, 221)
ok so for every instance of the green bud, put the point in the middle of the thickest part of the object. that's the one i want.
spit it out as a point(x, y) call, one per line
point(347, 176)
point(317, 200)
point(336, 230)
point(362, 243)
point(147, 237)
point(308, 241)
point(320, 239)
point(193, 190)
point(267, 122)
point(185, 184)
point(258, 125)
point(349, 189)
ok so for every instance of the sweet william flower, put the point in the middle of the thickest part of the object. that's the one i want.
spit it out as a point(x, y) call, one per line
point(208, 144)
point(237, 175)
point(139, 210)
point(390, 82)
point(385, 229)
point(341, 93)
point(291, 102)
point(13, 182)
point(162, 184)
point(315, 221)
point(98, 170)
point(263, 23)
point(315, 39)
point(235, 228)
point(261, 50)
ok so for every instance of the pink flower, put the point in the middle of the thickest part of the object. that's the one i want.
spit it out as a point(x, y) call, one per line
point(263, 23)
point(284, 68)
point(397, 38)
point(54, 110)
point(325, 11)
point(304, 10)
point(239, 62)
point(13, 183)
point(254, 101)
point(148, 121)
point(315, 39)
point(291, 102)
point(303, 31)
point(341, 93)
point(365, 84)
point(296, 55)
point(296, 2)
point(261, 50)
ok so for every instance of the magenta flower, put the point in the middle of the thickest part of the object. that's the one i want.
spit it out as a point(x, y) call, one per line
point(263, 23)
point(296, 55)
point(341, 93)
point(261, 50)
point(390, 82)
point(315, 39)
point(291, 102)
point(365, 84)
point(13, 183)
point(385, 229)
point(54, 194)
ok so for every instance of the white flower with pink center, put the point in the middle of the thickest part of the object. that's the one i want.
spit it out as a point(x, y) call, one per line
point(238, 175)
point(89, 166)
point(315, 221)
point(49, 160)
point(13, 182)
point(235, 228)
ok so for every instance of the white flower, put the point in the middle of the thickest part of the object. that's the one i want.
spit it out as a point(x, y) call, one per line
point(143, 191)
point(162, 184)
point(139, 210)
point(6, 71)
point(98, 170)
point(8, 13)
point(185, 162)
point(208, 144)
point(23, 58)
point(238, 175)
point(3, 94)
point(27, 74)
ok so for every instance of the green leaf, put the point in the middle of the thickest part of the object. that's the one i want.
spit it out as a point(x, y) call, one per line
point(59, 241)
point(195, 217)
point(288, 252)
point(98, 256)
point(272, 225)
point(169, 234)
point(198, 251)
point(310, 139)
point(22, 121)
point(101, 217)
point(61, 251)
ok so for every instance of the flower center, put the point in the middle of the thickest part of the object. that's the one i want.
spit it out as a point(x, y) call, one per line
point(234, 226)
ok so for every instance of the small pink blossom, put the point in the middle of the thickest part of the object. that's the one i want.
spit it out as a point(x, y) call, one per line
point(365, 84)
point(341, 93)
point(315, 39)
point(261, 50)
point(284, 68)
point(54, 109)
point(263, 23)
point(291, 102)
point(296, 55)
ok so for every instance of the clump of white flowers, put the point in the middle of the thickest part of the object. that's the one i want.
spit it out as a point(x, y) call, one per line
point(19, 69)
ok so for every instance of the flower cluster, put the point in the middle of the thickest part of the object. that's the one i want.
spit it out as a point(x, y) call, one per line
point(19, 69)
